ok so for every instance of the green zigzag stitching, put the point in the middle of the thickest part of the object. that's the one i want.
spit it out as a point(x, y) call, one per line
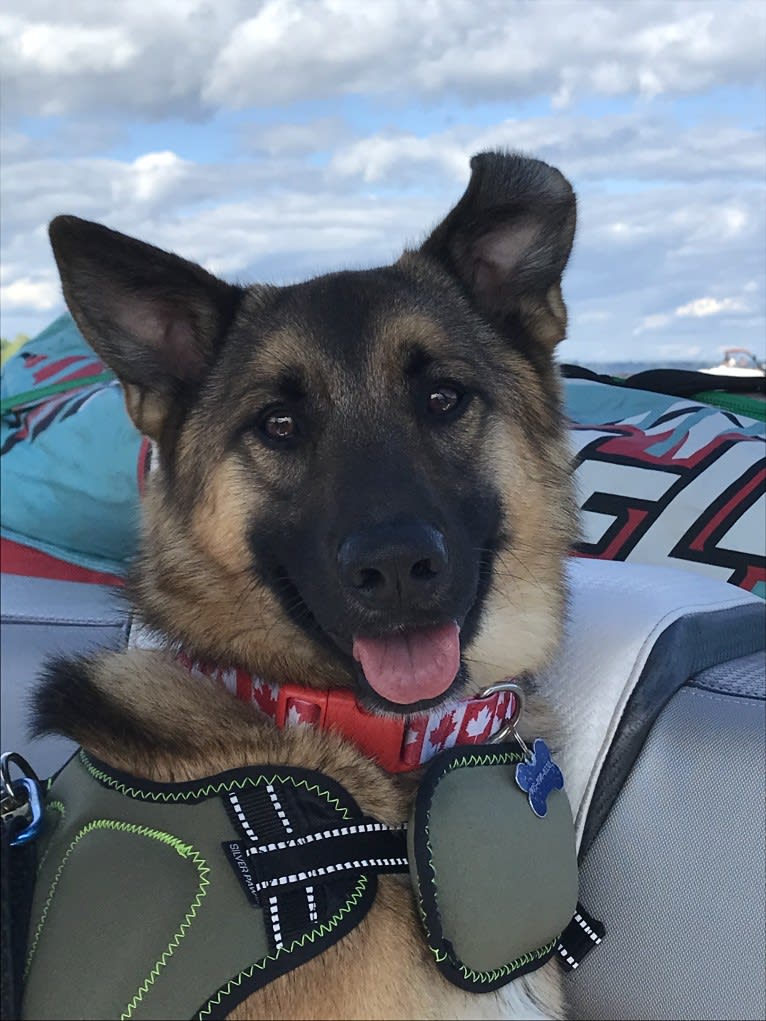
point(208, 789)
point(484, 976)
point(507, 969)
point(184, 850)
point(473, 759)
point(486, 759)
point(189, 852)
point(57, 806)
point(323, 930)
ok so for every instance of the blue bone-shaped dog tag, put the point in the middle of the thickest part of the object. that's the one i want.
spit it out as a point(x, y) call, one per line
point(538, 776)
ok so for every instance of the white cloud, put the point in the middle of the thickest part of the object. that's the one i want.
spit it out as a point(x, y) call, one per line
point(700, 308)
point(36, 295)
point(380, 158)
point(670, 205)
point(651, 322)
point(281, 220)
point(191, 56)
point(146, 58)
point(153, 177)
point(296, 139)
point(69, 49)
point(243, 222)
point(638, 146)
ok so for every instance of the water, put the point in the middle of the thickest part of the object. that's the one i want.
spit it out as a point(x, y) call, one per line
point(631, 368)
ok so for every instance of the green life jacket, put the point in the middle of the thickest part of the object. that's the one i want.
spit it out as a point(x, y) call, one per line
point(180, 900)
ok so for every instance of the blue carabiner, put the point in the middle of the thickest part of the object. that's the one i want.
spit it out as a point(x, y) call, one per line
point(34, 803)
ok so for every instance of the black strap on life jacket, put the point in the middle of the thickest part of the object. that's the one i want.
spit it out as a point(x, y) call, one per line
point(295, 859)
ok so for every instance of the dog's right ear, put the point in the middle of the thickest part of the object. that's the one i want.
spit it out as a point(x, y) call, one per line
point(154, 318)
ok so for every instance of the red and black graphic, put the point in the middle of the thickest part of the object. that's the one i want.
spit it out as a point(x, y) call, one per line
point(685, 489)
point(58, 389)
point(46, 370)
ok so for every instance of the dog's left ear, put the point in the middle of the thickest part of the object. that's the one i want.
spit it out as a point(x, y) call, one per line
point(508, 240)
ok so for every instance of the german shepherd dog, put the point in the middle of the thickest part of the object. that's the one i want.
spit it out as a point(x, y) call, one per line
point(363, 480)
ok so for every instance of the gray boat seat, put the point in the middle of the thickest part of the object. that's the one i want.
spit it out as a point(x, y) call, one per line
point(660, 684)
point(41, 618)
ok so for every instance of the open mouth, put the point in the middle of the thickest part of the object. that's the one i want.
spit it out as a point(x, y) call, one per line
point(405, 668)
point(410, 665)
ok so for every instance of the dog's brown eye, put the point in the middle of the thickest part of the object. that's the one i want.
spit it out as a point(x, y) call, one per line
point(278, 425)
point(443, 399)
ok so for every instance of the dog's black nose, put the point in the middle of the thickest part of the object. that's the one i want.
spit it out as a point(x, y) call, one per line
point(396, 564)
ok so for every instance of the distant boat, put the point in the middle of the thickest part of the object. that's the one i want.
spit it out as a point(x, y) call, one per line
point(738, 361)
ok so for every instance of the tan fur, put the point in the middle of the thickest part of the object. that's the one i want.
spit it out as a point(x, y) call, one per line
point(525, 606)
point(219, 520)
point(147, 410)
point(547, 319)
point(208, 590)
point(396, 334)
point(524, 609)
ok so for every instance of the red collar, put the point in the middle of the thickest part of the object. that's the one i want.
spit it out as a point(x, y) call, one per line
point(397, 743)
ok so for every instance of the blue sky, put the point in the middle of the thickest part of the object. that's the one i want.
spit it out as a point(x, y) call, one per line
point(273, 140)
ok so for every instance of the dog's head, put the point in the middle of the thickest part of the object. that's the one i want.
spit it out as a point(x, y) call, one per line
point(362, 478)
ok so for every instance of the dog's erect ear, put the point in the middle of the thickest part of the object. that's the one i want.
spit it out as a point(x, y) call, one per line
point(153, 317)
point(508, 240)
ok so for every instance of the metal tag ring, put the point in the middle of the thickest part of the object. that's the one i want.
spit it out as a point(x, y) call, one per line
point(509, 727)
point(5, 773)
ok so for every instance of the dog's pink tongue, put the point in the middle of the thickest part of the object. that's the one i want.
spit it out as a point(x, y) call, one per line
point(412, 665)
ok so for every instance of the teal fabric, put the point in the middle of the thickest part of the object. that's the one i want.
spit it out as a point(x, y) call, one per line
point(589, 402)
point(69, 457)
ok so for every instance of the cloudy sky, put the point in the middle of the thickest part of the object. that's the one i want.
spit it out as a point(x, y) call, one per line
point(275, 139)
